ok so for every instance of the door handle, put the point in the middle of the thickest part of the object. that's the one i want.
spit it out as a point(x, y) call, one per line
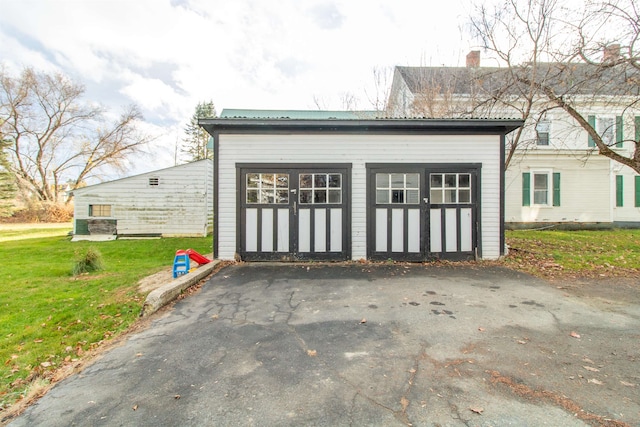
point(295, 208)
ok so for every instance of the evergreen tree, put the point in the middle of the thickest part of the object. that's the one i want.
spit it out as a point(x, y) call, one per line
point(196, 139)
point(7, 180)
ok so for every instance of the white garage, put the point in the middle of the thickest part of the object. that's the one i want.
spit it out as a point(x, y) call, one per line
point(295, 185)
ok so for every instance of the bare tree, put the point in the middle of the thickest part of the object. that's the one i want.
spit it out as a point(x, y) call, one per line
point(56, 138)
point(552, 64)
point(518, 34)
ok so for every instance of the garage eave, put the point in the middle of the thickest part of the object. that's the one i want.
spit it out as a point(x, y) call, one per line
point(422, 126)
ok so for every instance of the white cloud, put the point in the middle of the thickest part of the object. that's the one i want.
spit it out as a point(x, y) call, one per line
point(166, 55)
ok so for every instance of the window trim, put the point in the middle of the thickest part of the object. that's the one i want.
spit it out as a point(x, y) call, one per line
point(553, 188)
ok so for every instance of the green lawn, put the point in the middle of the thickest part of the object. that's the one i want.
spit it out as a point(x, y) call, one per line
point(577, 253)
point(49, 318)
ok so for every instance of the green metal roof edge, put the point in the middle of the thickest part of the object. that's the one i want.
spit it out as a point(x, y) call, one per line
point(298, 114)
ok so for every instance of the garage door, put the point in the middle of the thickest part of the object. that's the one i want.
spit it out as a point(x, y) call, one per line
point(421, 212)
point(294, 212)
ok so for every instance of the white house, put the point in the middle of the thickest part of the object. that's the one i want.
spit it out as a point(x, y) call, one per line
point(175, 201)
point(557, 176)
point(296, 185)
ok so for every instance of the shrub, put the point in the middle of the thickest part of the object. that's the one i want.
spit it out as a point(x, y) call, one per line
point(88, 262)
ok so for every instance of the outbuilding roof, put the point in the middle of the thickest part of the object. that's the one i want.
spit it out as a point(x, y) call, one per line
point(261, 121)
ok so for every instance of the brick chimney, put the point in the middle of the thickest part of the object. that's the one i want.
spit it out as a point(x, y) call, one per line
point(473, 59)
point(611, 53)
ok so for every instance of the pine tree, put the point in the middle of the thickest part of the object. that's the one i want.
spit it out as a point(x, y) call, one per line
point(196, 139)
point(7, 181)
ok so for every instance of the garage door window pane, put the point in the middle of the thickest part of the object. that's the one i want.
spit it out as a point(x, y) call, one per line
point(335, 196)
point(382, 196)
point(306, 181)
point(382, 180)
point(306, 196)
point(252, 196)
point(282, 181)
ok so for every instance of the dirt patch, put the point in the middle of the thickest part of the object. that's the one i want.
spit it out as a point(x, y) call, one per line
point(154, 281)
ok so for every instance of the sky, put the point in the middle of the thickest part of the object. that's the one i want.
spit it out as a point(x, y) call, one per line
point(168, 55)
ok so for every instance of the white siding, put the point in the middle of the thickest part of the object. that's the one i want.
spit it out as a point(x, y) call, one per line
point(180, 205)
point(358, 150)
point(628, 212)
point(585, 189)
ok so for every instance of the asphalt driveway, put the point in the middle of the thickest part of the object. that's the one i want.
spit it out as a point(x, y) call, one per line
point(360, 344)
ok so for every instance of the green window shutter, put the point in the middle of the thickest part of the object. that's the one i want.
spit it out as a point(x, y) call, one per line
point(592, 123)
point(556, 189)
point(637, 191)
point(526, 189)
point(619, 132)
point(619, 190)
point(637, 123)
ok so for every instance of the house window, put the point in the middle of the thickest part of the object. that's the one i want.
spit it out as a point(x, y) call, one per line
point(316, 188)
point(619, 190)
point(267, 188)
point(154, 182)
point(542, 133)
point(610, 129)
point(100, 210)
point(450, 188)
point(541, 187)
point(398, 188)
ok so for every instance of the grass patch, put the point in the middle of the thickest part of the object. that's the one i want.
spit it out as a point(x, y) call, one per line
point(88, 262)
point(50, 318)
point(611, 253)
point(10, 232)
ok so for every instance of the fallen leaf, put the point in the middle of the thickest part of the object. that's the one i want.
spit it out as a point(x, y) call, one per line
point(476, 409)
point(45, 364)
point(135, 407)
point(521, 342)
point(138, 354)
point(215, 317)
point(312, 353)
point(363, 320)
point(587, 360)
point(591, 368)
point(595, 381)
point(404, 402)
point(627, 384)
point(176, 397)
point(481, 329)
point(574, 334)
point(38, 340)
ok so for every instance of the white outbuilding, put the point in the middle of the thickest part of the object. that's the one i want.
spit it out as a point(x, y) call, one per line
point(175, 201)
point(322, 185)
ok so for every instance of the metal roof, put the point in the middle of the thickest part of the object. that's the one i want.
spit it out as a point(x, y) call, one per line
point(270, 121)
point(297, 114)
